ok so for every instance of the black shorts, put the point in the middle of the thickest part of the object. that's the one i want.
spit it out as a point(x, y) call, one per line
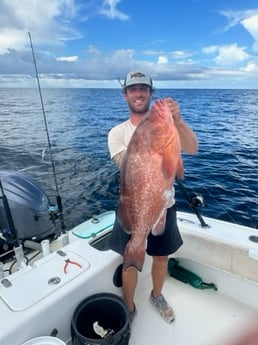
point(162, 245)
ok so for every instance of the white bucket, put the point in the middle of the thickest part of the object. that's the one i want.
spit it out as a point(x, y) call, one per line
point(46, 340)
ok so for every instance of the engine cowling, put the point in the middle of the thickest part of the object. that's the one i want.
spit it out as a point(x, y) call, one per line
point(29, 208)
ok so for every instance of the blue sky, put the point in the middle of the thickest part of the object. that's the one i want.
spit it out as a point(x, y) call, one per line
point(91, 43)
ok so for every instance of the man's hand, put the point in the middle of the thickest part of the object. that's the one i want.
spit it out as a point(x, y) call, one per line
point(175, 110)
point(188, 139)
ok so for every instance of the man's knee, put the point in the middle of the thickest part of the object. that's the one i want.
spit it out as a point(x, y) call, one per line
point(160, 260)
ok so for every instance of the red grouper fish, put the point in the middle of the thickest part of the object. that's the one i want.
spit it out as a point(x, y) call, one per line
point(152, 161)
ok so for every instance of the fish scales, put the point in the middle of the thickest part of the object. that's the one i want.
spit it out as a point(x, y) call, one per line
point(152, 161)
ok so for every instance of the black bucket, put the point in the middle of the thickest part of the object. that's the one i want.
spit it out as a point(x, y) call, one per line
point(111, 315)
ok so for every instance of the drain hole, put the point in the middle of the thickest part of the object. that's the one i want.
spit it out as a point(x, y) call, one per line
point(54, 281)
point(253, 238)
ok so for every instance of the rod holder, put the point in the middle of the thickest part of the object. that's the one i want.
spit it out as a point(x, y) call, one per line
point(45, 247)
point(19, 255)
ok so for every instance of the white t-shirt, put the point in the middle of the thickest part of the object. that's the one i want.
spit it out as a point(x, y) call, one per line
point(119, 137)
point(118, 140)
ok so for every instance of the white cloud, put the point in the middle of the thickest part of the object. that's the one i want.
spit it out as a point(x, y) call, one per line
point(251, 67)
point(210, 49)
point(162, 60)
point(67, 58)
point(180, 54)
point(235, 17)
point(51, 23)
point(248, 19)
point(251, 25)
point(12, 38)
point(109, 9)
point(227, 55)
point(231, 55)
point(93, 50)
point(151, 52)
point(48, 22)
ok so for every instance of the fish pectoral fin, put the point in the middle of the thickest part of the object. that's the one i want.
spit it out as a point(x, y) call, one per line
point(122, 219)
point(159, 227)
point(167, 166)
point(133, 256)
point(180, 169)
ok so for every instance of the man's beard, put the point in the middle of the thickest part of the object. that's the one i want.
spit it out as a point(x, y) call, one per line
point(140, 111)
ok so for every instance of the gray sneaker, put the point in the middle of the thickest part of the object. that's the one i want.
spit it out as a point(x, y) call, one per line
point(164, 308)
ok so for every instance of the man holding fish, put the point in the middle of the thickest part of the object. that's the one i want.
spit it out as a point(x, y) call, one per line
point(147, 149)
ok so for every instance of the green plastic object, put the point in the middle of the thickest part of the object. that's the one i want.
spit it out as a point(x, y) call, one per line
point(187, 276)
point(92, 227)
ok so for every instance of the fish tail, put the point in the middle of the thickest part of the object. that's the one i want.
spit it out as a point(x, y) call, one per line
point(133, 256)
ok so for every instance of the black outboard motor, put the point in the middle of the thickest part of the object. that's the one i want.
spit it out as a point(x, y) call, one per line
point(29, 208)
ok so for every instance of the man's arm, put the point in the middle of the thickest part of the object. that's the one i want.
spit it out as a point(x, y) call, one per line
point(188, 139)
point(116, 145)
point(118, 158)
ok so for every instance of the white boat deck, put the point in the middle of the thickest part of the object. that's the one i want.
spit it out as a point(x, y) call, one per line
point(221, 254)
point(203, 317)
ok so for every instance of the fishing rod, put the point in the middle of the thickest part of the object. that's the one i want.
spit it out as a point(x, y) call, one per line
point(58, 197)
point(120, 83)
point(194, 201)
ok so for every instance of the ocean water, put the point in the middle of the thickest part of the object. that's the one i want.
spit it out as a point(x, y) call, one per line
point(224, 172)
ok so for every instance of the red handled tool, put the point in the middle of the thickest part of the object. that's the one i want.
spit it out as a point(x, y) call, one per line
point(68, 261)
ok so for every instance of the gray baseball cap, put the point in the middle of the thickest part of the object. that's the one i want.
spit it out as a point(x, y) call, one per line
point(137, 77)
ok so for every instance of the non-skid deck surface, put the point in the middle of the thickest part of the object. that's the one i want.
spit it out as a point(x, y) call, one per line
point(203, 317)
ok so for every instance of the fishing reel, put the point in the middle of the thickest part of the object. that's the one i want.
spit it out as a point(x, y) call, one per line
point(196, 200)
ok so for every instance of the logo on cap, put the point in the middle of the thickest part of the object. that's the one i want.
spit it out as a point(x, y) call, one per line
point(138, 75)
